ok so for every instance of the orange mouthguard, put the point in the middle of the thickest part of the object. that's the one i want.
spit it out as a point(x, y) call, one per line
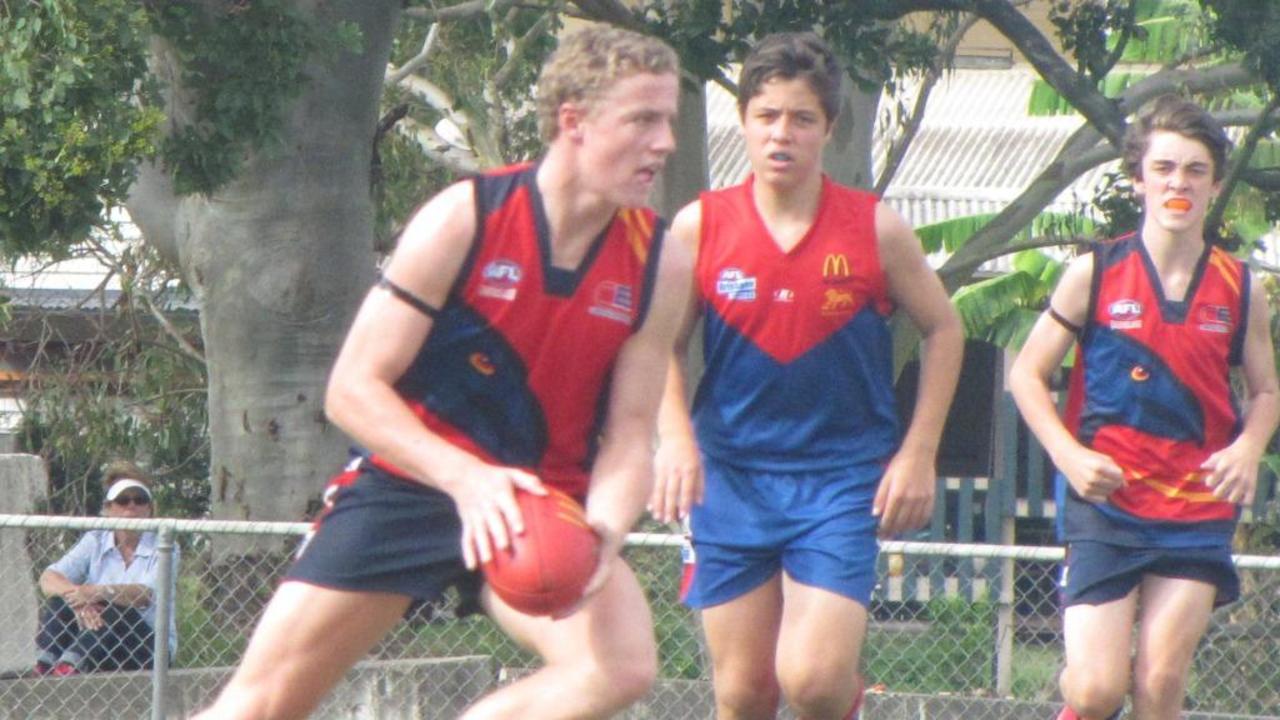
point(1182, 204)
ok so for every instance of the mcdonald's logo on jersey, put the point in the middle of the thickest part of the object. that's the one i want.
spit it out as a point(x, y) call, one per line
point(835, 268)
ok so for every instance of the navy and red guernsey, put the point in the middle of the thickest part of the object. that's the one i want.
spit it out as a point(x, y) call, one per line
point(516, 368)
point(1151, 389)
point(799, 361)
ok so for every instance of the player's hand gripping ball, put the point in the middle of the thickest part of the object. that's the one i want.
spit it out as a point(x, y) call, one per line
point(545, 569)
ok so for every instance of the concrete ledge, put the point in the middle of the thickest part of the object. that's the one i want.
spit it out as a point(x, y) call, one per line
point(432, 689)
point(377, 690)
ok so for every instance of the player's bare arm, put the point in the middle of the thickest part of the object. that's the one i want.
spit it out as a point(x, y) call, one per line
point(1233, 471)
point(385, 337)
point(621, 478)
point(1093, 475)
point(677, 469)
point(904, 500)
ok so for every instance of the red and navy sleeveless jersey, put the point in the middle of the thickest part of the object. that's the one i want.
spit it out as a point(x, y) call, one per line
point(517, 366)
point(798, 355)
point(1151, 389)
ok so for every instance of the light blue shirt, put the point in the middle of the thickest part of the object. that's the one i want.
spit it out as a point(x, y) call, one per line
point(95, 560)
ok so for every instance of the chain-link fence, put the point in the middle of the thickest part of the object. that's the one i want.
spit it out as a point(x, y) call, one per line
point(963, 622)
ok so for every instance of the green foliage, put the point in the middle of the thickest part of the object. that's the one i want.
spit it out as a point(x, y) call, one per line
point(1253, 28)
point(75, 115)
point(1044, 100)
point(872, 50)
point(1002, 309)
point(1092, 31)
point(243, 63)
point(954, 655)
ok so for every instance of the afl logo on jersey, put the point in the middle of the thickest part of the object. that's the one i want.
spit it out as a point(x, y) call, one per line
point(734, 284)
point(499, 279)
point(1125, 314)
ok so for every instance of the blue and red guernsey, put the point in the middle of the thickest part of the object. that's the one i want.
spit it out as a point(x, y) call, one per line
point(1151, 389)
point(517, 366)
point(799, 361)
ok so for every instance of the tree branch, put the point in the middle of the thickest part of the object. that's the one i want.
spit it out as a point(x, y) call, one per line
point(519, 49)
point(395, 75)
point(610, 11)
point(900, 145)
point(1082, 152)
point(437, 148)
point(1240, 161)
point(1100, 111)
point(462, 11)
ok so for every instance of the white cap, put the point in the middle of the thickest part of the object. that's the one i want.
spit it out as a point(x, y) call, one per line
point(120, 486)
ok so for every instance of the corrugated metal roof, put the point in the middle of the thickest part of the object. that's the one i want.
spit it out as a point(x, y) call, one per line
point(976, 150)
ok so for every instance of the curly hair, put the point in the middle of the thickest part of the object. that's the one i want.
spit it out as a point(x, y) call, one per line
point(588, 62)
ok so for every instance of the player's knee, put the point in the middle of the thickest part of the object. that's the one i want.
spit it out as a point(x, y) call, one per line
point(817, 692)
point(624, 681)
point(1159, 683)
point(747, 696)
point(1093, 696)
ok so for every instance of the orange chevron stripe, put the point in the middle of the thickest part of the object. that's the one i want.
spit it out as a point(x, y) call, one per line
point(637, 229)
point(1227, 267)
point(1180, 492)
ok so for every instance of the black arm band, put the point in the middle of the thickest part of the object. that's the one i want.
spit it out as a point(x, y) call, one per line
point(412, 300)
point(1074, 328)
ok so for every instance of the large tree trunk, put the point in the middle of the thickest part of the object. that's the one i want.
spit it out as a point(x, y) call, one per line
point(847, 158)
point(279, 259)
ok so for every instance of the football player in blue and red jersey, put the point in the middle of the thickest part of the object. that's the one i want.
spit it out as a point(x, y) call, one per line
point(793, 458)
point(519, 338)
point(1154, 456)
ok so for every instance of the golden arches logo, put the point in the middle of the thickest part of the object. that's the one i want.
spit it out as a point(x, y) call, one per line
point(835, 265)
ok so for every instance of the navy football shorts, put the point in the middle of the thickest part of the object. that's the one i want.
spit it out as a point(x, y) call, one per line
point(1096, 572)
point(384, 534)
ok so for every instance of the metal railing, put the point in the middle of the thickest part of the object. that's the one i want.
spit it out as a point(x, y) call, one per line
point(963, 620)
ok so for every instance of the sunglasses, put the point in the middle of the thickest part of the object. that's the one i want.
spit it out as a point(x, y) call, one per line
point(132, 500)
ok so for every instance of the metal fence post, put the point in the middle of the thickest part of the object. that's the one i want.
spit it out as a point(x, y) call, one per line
point(164, 600)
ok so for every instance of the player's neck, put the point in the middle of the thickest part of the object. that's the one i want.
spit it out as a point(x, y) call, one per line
point(576, 213)
point(1173, 248)
point(788, 211)
point(1175, 257)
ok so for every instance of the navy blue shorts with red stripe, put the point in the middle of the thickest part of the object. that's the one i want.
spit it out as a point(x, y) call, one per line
point(380, 533)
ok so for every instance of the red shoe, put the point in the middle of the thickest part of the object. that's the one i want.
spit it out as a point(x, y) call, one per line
point(41, 669)
point(64, 669)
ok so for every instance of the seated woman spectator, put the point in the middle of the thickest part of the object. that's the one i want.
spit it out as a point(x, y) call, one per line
point(100, 613)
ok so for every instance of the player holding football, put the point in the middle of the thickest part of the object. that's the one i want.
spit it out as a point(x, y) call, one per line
point(1154, 458)
point(479, 365)
point(795, 416)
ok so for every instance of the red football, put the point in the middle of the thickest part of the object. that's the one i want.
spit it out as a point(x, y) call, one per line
point(545, 569)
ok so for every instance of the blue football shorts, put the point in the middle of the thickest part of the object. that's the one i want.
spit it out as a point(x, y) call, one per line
point(1096, 572)
point(815, 526)
point(380, 533)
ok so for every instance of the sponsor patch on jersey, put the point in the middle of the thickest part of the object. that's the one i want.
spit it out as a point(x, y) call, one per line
point(613, 301)
point(1125, 314)
point(734, 284)
point(500, 279)
point(835, 302)
point(835, 268)
point(784, 295)
point(1215, 318)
